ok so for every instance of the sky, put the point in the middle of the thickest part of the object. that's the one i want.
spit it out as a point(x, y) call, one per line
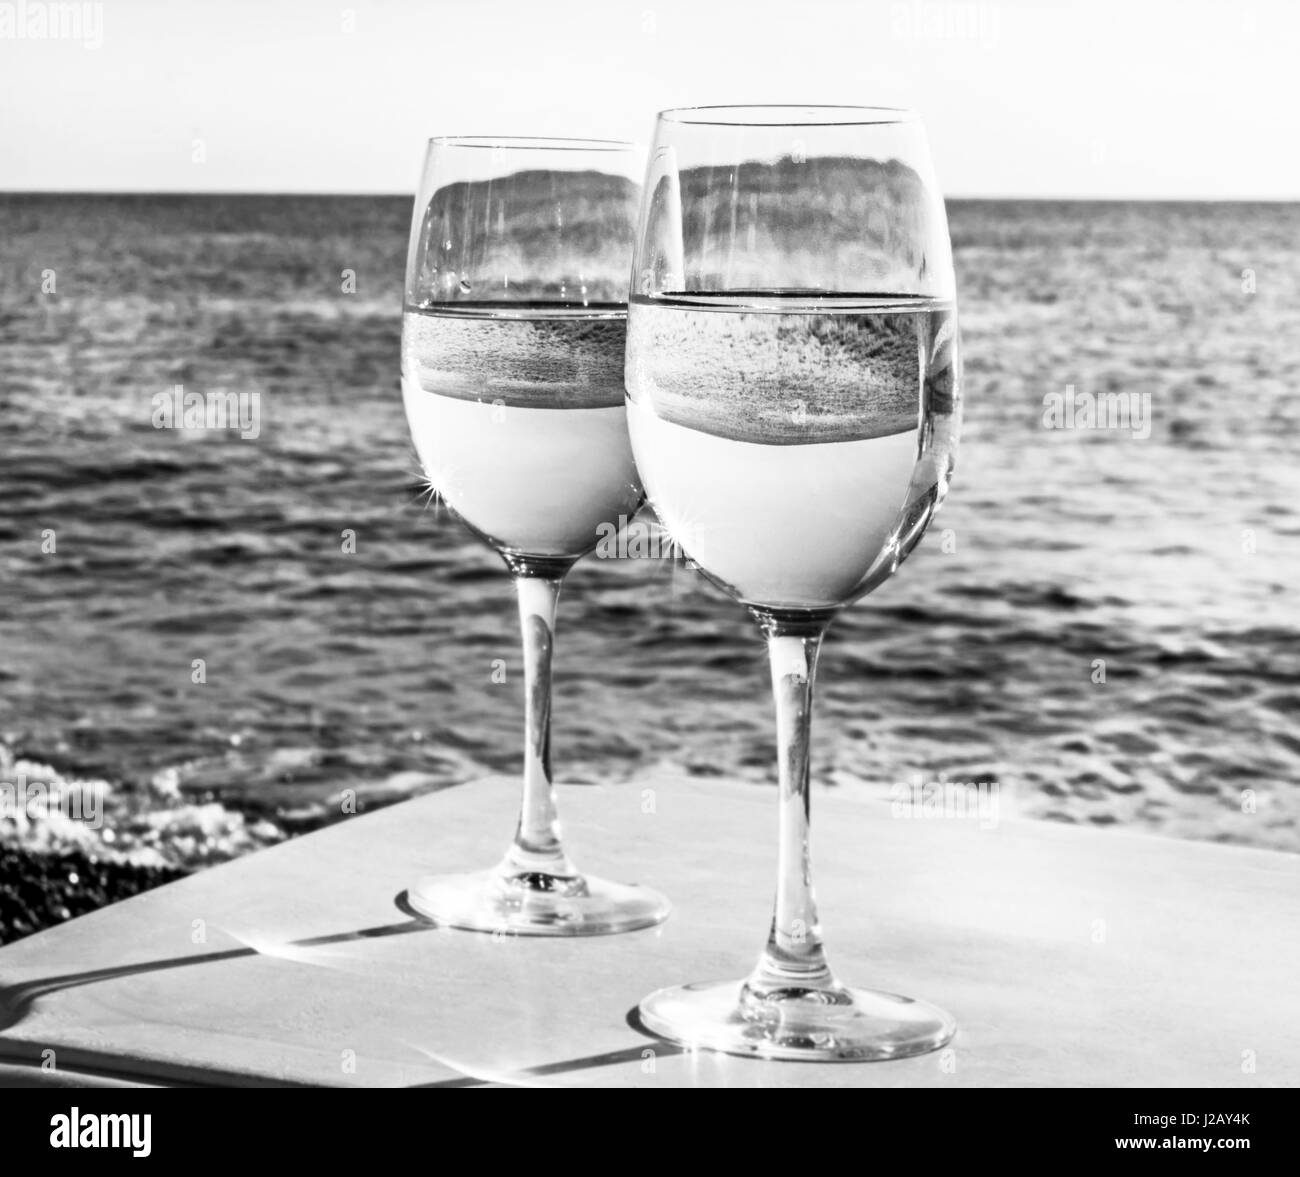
point(1054, 98)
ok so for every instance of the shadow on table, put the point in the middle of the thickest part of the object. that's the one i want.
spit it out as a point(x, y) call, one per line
point(610, 1058)
point(16, 1000)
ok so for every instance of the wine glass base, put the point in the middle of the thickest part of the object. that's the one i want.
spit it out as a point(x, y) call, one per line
point(838, 1025)
point(536, 904)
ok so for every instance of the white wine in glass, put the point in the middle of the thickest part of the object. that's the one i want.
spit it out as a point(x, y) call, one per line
point(794, 398)
point(512, 377)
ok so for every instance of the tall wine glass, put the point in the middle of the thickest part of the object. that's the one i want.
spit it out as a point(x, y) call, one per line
point(793, 400)
point(513, 335)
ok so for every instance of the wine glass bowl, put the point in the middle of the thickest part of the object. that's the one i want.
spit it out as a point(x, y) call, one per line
point(515, 309)
point(794, 398)
point(800, 256)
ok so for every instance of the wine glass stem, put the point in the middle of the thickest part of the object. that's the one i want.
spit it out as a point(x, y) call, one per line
point(793, 958)
point(537, 848)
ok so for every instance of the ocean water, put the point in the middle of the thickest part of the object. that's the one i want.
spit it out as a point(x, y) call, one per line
point(1168, 562)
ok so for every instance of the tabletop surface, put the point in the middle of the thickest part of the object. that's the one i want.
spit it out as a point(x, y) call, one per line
point(1069, 956)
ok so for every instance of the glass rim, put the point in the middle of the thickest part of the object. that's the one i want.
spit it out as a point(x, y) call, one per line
point(763, 114)
point(529, 143)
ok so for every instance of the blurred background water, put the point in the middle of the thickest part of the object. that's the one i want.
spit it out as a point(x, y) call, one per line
point(1172, 559)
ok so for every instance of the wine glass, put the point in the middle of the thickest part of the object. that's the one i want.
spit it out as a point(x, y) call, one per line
point(513, 335)
point(793, 382)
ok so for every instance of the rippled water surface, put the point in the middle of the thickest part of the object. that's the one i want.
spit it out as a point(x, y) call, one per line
point(1169, 562)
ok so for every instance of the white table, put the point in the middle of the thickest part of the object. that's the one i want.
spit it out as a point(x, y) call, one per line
point(1069, 956)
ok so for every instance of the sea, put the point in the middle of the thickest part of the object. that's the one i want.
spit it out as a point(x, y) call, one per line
point(235, 638)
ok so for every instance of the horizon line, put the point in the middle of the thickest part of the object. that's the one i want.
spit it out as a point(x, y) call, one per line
point(247, 192)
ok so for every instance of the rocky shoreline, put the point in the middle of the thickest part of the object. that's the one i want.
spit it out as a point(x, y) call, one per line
point(69, 846)
point(38, 891)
